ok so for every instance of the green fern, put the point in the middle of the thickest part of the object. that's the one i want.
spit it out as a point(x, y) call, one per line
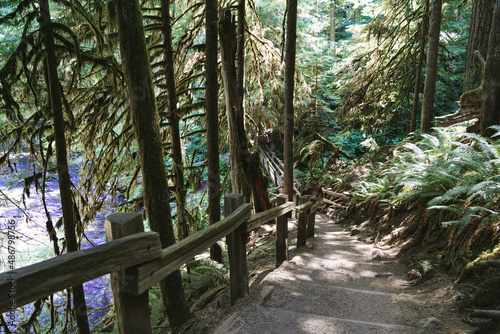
point(448, 171)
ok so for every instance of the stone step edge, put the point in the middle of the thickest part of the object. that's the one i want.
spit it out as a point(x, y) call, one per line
point(276, 283)
point(333, 319)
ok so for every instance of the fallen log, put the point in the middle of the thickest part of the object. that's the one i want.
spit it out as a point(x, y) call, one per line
point(337, 195)
point(337, 205)
point(488, 314)
point(333, 146)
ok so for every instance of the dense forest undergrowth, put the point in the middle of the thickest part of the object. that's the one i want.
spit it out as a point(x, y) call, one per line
point(369, 74)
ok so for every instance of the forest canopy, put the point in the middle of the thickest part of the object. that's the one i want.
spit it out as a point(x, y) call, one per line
point(363, 69)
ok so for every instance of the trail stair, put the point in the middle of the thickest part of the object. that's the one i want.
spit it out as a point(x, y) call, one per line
point(330, 286)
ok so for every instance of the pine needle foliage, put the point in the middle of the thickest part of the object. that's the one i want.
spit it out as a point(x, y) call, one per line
point(453, 173)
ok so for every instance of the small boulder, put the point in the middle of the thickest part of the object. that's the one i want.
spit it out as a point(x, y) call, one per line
point(378, 255)
point(430, 323)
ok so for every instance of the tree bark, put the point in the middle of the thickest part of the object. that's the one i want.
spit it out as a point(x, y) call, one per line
point(183, 218)
point(491, 81)
point(139, 81)
point(332, 20)
point(290, 49)
point(479, 33)
point(55, 96)
point(421, 56)
point(227, 28)
point(246, 174)
point(212, 121)
point(431, 67)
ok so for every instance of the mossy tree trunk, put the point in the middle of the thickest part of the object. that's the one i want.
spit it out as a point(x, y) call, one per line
point(431, 66)
point(420, 65)
point(246, 173)
point(290, 50)
point(212, 121)
point(139, 81)
point(491, 81)
point(55, 97)
point(183, 218)
point(479, 33)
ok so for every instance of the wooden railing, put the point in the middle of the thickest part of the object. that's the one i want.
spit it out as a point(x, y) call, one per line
point(136, 260)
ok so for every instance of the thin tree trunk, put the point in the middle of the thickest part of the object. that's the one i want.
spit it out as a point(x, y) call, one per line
point(332, 20)
point(290, 49)
point(432, 66)
point(138, 77)
point(421, 56)
point(240, 56)
point(479, 33)
point(491, 82)
point(55, 95)
point(174, 120)
point(212, 121)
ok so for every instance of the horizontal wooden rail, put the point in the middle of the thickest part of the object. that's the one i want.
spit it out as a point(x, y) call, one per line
point(304, 206)
point(21, 286)
point(145, 275)
point(264, 217)
point(140, 259)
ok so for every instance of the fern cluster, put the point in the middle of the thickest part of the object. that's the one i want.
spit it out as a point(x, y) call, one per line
point(453, 173)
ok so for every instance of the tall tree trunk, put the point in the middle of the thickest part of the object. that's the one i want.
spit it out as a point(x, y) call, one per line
point(421, 55)
point(290, 49)
point(479, 33)
point(174, 120)
point(212, 121)
point(332, 20)
point(490, 112)
point(431, 66)
point(246, 174)
point(55, 95)
point(228, 40)
point(139, 80)
point(332, 24)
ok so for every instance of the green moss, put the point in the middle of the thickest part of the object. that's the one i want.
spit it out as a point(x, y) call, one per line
point(471, 97)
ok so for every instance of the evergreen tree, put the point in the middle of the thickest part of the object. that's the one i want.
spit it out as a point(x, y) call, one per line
point(55, 97)
point(431, 66)
point(139, 80)
point(290, 50)
point(491, 81)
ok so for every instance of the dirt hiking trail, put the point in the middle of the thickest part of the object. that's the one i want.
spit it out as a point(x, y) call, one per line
point(339, 284)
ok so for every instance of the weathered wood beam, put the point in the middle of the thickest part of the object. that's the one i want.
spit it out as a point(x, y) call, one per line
point(266, 216)
point(489, 314)
point(337, 205)
point(143, 276)
point(132, 312)
point(281, 233)
point(311, 220)
point(302, 219)
point(337, 195)
point(47, 277)
point(315, 207)
point(236, 251)
point(303, 206)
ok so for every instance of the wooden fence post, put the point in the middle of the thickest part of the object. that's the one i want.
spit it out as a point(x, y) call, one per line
point(311, 220)
point(237, 251)
point(302, 223)
point(281, 233)
point(132, 312)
